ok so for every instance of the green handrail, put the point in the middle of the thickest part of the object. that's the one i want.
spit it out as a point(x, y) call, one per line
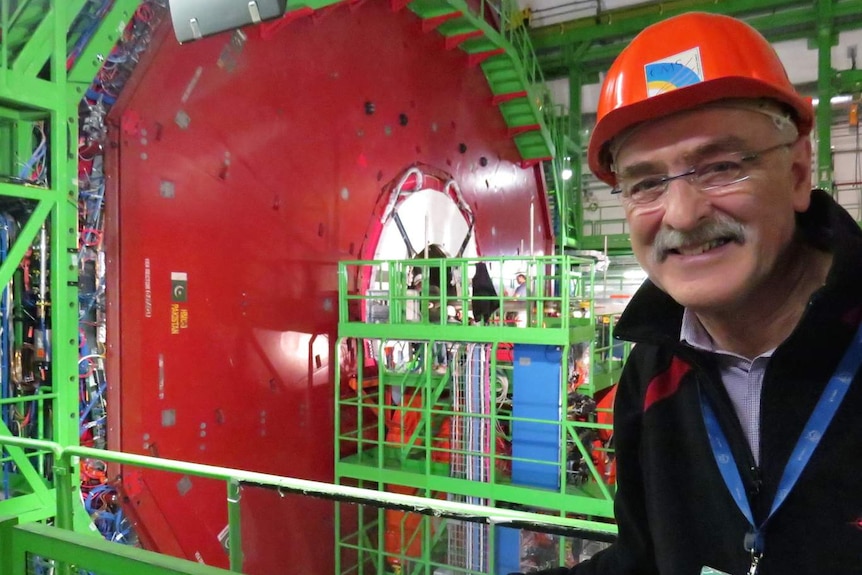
point(65, 477)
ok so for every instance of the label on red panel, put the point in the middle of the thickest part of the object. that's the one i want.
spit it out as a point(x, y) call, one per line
point(148, 292)
point(179, 295)
point(179, 318)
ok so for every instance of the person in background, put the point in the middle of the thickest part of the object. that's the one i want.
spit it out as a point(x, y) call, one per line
point(484, 302)
point(738, 417)
point(434, 309)
point(521, 288)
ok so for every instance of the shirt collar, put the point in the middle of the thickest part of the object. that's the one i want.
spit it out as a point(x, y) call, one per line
point(693, 334)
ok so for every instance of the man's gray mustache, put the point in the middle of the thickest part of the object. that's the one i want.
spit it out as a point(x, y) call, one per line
point(721, 227)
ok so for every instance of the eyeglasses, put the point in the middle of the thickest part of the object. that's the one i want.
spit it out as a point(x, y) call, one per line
point(718, 171)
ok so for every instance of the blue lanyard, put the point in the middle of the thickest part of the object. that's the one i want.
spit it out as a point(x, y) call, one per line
point(820, 419)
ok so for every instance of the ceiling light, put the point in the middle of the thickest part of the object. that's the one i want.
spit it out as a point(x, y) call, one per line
point(839, 99)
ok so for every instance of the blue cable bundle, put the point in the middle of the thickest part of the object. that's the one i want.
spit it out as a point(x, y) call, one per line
point(37, 159)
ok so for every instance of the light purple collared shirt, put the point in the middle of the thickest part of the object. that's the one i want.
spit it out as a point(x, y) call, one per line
point(742, 378)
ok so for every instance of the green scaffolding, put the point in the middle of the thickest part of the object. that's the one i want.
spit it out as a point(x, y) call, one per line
point(46, 65)
point(404, 344)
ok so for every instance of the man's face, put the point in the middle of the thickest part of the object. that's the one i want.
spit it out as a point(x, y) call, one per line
point(720, 249)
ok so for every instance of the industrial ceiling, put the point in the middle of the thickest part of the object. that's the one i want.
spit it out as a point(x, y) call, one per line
point(585, 35)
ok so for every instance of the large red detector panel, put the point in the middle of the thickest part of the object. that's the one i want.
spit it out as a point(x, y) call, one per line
point(243, 170)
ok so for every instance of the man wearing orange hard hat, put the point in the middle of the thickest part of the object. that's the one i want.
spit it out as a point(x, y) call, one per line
point(738, 418)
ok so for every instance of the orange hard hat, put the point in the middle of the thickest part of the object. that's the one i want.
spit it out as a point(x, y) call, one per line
point(682, 63)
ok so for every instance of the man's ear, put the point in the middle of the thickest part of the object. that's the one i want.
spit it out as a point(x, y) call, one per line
point(800, 158)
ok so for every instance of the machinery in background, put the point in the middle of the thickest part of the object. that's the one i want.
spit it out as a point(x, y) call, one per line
point(245, 166)
point(99, 487)
point(239, 147)
point(28, 398)
point(25, 333)
point(477, 146)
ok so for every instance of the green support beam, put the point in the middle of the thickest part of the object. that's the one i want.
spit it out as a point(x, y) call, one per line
point(575, 154)
point(97, 50)
point(592, 43)
point(597, 48)
point(793, 17)
point(825, 40)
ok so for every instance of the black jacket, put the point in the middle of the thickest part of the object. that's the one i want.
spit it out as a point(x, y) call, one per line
point(674, 512)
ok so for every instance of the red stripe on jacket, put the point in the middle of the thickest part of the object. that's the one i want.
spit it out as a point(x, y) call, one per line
point(666, 383)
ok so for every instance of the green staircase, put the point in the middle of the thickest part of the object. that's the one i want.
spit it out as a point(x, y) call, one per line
point(492, 39)
point(504, 52)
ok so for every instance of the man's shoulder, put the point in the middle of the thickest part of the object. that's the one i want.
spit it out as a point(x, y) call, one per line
point(651, 316)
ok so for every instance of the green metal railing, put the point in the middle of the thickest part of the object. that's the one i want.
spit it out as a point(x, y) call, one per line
point(381, 300)
point(90, 553)
point(378, 300)
point(407, 442)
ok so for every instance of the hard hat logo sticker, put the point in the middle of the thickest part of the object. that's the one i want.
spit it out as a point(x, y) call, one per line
point(673, 72)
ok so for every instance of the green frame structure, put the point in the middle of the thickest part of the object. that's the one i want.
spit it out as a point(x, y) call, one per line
point(405, 445)
point(41, 87)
